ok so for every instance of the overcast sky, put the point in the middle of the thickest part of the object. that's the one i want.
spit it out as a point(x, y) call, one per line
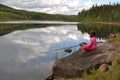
point(68, 7)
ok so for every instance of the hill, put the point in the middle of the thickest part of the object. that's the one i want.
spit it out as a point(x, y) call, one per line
point(103, 13)
point(8, 13)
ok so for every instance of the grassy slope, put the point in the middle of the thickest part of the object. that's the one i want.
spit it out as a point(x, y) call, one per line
point(7, 13)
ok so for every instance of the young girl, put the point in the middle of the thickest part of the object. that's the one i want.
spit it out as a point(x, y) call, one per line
point(92, 43)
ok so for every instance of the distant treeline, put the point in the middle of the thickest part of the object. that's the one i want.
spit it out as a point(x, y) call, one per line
point(7, 13)
point(108, 13)
point(103, 13)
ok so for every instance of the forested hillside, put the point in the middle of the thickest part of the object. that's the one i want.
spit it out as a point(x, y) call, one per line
point(101, 13)
point(7, 13)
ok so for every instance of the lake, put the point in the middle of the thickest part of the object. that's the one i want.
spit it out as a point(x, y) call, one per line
point(28, 49)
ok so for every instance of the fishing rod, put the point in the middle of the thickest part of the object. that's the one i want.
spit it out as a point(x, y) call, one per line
point(66, 49)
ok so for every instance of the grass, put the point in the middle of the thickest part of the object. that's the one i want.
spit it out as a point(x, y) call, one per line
point(112, 74)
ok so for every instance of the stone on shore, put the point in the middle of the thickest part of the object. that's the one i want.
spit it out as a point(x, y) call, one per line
point(78, 62)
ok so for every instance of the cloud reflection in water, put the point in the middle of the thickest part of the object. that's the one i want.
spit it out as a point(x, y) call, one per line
point(28, 53)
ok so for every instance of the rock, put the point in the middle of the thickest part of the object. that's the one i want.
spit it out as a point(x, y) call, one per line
point(68, 50)
point(112, 35)
point(103, 68)
point(78, 62)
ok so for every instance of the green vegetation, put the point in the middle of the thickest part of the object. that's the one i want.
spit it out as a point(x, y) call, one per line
point(113, 74)
point(7, 13)
point(103, 13)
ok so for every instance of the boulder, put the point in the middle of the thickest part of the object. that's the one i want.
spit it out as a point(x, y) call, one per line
point(103, 68)
point(78, 62)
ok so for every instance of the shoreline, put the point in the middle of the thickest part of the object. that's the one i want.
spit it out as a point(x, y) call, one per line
point(110, 23)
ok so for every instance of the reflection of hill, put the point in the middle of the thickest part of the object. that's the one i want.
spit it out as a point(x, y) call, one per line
point(7, 28)
point(102, 30)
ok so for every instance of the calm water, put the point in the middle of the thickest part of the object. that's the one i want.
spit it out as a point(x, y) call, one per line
point(28, 51)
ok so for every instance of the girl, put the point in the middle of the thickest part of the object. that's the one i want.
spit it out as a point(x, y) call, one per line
point(92, 43)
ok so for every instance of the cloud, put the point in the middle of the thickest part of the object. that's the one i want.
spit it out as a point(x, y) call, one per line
point(2, 1)
point(68, 7)
point(36, 42)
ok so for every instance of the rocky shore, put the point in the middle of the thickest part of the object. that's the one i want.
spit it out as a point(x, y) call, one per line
point(78, 62)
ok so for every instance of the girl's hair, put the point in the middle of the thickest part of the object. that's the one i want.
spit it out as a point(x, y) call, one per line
point(92, 33)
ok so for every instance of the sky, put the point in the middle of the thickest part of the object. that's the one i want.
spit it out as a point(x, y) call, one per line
point(66, 7)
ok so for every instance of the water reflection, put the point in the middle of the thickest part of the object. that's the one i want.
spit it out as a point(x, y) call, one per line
point(28, 54)
point(102, 30)
point(8, 28)
point(37, 22)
